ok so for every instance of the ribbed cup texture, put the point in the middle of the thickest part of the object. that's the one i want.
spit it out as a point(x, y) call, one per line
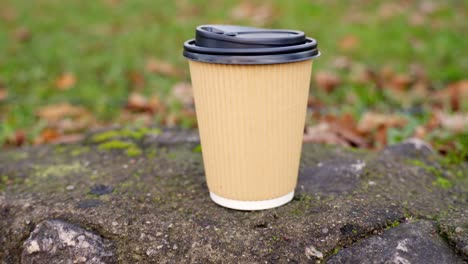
point(251, 120)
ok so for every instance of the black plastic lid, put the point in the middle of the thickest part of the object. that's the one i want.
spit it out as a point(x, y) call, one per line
point(247, 45)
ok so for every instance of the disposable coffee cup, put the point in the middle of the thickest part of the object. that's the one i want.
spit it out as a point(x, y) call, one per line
point(250, 88)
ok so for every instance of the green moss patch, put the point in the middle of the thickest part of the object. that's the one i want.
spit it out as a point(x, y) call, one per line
point(135, 134)
point(115, 144)
point(131, 149)
point(58, 170)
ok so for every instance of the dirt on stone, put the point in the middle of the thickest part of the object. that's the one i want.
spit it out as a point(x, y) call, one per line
point(154, 207)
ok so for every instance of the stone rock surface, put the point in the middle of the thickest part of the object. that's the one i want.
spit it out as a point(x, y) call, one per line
point(416, 242)
point(153, 206)
point(61, 242)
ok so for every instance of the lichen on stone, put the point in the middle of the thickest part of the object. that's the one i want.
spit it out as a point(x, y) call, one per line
point(58, 170)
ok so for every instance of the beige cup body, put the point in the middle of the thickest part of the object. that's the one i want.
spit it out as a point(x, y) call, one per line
point(251, 120)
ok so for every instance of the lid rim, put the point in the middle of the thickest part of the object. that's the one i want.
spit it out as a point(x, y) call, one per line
point(309, 45)
point(252, 60)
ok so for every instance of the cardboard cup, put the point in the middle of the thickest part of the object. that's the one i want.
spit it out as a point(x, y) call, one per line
point(251, 120)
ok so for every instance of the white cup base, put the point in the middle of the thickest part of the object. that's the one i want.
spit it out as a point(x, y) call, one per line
point(252, 205)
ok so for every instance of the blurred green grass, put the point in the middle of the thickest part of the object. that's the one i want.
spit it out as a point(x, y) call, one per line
point(101, 41)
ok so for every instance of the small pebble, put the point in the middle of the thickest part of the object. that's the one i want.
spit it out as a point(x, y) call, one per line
point(325, 230)
point(458, 230)
point(312, 252)
point(70, 188)
point(465, 250)
point(115, 223)
point(150, 252)
point(159, 247)
point(372, 183)
point(174, 247)
point(159, 234)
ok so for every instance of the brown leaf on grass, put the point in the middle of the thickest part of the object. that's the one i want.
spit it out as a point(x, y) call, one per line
point(8, 14)
point(400, 81)
point(111, 3)
point(161, 67)
point(77, 124)
point(371, 121)
point(47, 135)
point(342, 63)
point(389, 9)
point(346, 127)
point(349, 42)
point(3, 94)
point(17, 139)
point(321, 133)
point(186, 10)
point(65, 81)
point(54, 113)
point(171, 120)
point(417, 19)
point(183, 92)
point(139, 103)
point(136, 79)
point(22, 34)
point(144, 118)
point(381, 137)
point(336, 130)
point(386, 73)
point(66, 118)
point(455, 94)
point(457, 123)
point(66, 139)
point(420, 132)
point(327, 81)
point(259, 14)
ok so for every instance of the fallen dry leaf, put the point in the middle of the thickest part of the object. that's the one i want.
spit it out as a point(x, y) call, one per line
point(18, 139)
point(342, 63)
point(157, 66)
point(183, 92)
point(327, 81)
point(259, 14)
point(346, 127)
point(371, 121)
point(389, 9)
point(400, 81)
point(76, 124)
point(380, 137)
point(22, 34)
point(136, 79)
point(47, 135)
point(349, 42)
point(454, 93)
point(171, 120)
point(72, 138)
point(386, 73)
point(8, 14)
point(457, 123)
point(65, 81)
point(54, 113)
point(417, 19)
point(3, 94)
point(137, 102)
point(321, 133)
point(111, 3)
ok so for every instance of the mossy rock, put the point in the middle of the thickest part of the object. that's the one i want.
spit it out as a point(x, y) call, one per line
point(159, 209)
